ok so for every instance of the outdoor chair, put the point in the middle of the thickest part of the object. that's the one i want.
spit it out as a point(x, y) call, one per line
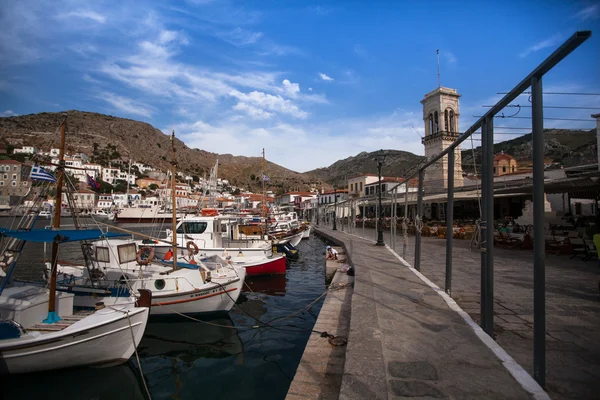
point(508, 241)
point(552, 246)
point(579, 248)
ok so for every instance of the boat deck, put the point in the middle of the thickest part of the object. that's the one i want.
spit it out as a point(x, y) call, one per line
point(65, 322)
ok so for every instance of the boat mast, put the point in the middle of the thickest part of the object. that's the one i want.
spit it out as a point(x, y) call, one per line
point(173, 200)
point(264, 194)
point(52, 315)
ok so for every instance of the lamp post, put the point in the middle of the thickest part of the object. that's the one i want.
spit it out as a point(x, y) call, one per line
point(334, 207)
point(380, 159)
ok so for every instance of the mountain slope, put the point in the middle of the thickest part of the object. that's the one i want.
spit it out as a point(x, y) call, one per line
point(141, 142)
point(397, 163)
point(569, 147)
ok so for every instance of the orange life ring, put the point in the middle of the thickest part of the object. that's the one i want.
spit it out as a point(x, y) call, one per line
point(192, 247)
point(143, 251)
point(209, 212)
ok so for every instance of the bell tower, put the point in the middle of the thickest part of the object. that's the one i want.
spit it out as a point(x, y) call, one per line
point(440, 114)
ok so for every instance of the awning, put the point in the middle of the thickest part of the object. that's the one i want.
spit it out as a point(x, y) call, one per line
point(61, 235)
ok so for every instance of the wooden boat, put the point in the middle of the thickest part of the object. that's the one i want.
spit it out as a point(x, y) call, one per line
point(39, 328)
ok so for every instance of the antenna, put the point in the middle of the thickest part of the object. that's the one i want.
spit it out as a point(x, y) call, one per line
point(438, 60)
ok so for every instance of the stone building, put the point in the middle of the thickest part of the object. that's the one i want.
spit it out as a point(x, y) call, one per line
point(12, 183)
point(440, 114)
point(505, 164)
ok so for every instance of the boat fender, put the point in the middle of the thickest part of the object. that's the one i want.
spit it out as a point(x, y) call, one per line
point(7, 259)
point(192, 248)
point(147, 253)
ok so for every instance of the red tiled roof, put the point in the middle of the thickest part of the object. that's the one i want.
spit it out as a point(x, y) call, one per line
point(503, 156)
point(10, 162)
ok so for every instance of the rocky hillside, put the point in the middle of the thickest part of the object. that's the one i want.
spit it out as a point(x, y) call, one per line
point(569, 147)
point(397, 163)
point(141, 142)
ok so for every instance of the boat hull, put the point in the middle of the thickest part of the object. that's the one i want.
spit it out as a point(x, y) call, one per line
point(85, 342)
point(275, 266)
point(204, 301)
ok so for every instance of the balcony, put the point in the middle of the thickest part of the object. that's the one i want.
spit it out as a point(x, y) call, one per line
point(440, 135)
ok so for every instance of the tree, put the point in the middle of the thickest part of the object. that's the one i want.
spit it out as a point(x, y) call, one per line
point(236, 192)
point(153, 186)
point(252, 177)
point(120, 185)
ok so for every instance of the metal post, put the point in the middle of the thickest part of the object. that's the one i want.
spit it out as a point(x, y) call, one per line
point(317, 214)
point(487, 226)
point(539, 268)
point(334, 208)
point(449, 222)
point(419, 215)
point(405, 224)
point(380, 215)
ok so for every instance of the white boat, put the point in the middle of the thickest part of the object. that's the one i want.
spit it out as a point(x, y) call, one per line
point(306, 231)
point(181, 286)
point(108, 336)
point(182, 289)
point(39, 328)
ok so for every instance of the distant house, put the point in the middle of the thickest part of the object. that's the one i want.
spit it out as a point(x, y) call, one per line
point(505, 164)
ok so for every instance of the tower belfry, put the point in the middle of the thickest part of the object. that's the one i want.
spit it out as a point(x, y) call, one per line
point(440, 114)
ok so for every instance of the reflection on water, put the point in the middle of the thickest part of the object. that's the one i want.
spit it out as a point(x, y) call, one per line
point(222, 357)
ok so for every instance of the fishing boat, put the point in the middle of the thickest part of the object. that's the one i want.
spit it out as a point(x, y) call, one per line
point(182, 284)
point(40, 329)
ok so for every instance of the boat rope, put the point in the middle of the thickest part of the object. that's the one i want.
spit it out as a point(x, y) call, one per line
point(405, 236)
point(137, 356)
point(418, 223)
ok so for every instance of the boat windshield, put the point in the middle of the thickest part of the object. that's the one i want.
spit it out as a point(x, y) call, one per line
point(192, 227)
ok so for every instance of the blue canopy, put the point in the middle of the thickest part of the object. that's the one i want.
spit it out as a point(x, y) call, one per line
point(61, 235)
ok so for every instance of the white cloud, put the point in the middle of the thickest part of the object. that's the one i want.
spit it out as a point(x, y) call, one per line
point(552, 41)
point(240, 37)
point(591, 12)
point(126, 105)
point(267, 102)
point(8, 113)
point(325, 77)
point(310, 89)
point(290, 89)
point(315, 145)
point(85, 14)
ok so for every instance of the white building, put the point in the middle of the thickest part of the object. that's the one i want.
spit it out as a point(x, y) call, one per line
point(25, 150)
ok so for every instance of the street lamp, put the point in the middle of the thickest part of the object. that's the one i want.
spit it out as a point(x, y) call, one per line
point(380, 159)
point(334, 207)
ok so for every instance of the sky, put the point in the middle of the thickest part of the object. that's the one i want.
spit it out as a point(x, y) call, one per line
point(310, 82)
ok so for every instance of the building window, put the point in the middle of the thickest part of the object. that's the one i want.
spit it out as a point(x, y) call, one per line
point(504, 169)
point(436, 124)
point(15, 168)
point(1, 183)
point(14, 183)
point(5, 176)
point(453, 127)
point(430, 124)
point(14, 176)
point(513, 168)
point(494, 170)
point(446, 121)
point(361, 187)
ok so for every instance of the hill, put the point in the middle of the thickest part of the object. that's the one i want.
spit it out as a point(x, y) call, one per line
point(397, 163)
point(141, 142)
point(566, 146)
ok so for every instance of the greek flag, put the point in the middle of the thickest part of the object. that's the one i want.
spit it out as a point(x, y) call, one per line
point(40, 174)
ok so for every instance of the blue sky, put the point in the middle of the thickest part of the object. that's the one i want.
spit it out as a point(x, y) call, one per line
point(311, 82)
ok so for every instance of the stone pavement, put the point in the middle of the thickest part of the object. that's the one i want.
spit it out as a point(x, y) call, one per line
point(320, 371)
point(406, 342)
point(572, 309)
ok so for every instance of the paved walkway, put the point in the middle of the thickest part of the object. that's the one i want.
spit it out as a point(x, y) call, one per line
point(572, 309)
point(406, 342)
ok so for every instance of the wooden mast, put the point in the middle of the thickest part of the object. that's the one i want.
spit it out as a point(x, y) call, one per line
point(264, 194)
point(52, 315)
point(173, 200)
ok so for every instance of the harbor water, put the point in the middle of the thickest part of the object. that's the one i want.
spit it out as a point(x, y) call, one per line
point(219, 357)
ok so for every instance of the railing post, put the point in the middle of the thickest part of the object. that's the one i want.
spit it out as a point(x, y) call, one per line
point(449, 222)
point(487, 226)
point(419, 215)
point(539, 267)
